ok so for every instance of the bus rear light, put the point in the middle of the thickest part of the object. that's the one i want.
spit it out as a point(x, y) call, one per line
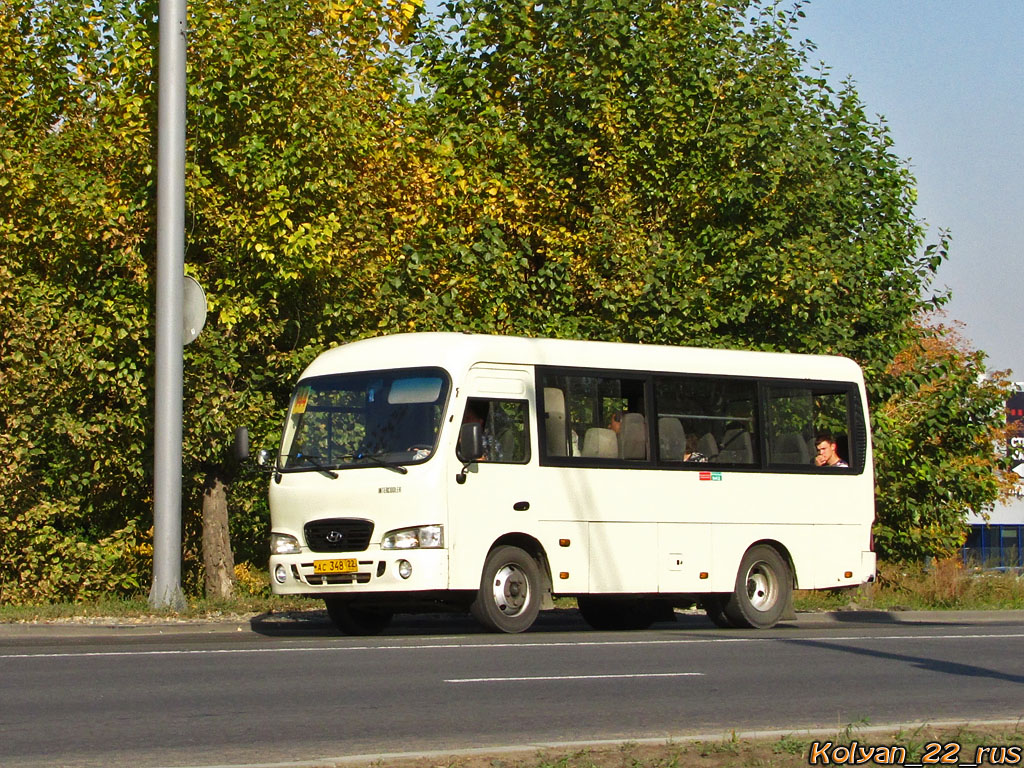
point(563, 575)
point(564, 542)
point(703, 574)
point(848, 575)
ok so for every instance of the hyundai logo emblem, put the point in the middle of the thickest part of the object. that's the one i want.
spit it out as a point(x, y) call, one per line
point(335, 537)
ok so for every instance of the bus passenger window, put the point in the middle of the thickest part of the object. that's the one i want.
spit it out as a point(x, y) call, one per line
point(706, 419)
point(603, 417)
point(803, 418)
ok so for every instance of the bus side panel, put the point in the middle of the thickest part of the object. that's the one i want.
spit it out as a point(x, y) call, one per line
point(685, 551)
point(622, 557)
point(567, 546)
point(824, 554)
point(821, 554)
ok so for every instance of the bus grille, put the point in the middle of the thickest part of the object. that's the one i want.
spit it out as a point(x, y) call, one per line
point(339, 535)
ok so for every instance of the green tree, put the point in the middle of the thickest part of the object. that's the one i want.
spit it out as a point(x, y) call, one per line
point(940, 438)
point(643, 170)
point(292, 114)
point(666, 171)
point(74, 227)
point(656, 171)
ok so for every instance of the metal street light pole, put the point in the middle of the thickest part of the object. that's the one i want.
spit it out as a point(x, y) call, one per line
point(170, 269)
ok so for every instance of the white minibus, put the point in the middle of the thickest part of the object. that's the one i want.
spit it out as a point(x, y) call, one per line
point(427, 472)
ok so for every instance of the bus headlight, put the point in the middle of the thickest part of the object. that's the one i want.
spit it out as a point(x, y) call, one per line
point(420, 537)
point(280, 574)
point(404, 569)
point(284, 544)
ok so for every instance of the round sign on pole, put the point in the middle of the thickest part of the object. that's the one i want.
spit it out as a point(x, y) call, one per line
point(195, 310)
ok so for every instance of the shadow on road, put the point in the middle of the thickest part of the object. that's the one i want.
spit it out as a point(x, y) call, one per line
point(955, 668)
point(316, 623)
point(908, 618)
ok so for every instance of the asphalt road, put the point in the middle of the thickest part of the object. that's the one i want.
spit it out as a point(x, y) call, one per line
point(286, 691)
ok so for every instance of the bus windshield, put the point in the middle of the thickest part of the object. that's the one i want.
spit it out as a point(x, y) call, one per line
point(382, 418)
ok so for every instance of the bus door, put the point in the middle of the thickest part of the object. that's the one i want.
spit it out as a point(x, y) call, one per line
point(495, 494)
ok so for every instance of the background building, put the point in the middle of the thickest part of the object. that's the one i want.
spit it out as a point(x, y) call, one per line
point(999, 541)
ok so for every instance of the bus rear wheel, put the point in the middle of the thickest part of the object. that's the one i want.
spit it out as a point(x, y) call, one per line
point(510, 591)
point(353, 620)
point(763, 588)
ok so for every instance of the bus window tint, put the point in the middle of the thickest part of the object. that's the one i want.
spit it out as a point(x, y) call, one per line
point(717, 417)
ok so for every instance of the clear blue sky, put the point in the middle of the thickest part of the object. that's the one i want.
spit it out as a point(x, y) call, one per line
point(948, 77)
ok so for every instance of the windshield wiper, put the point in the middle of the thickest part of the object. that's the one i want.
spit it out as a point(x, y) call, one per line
point(312, 461)
point(377, 460)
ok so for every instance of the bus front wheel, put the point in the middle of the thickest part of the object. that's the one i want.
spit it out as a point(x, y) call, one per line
point(763, 588)
point(510, 591)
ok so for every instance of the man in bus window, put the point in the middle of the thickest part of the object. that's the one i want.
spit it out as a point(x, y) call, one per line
point(827, 455)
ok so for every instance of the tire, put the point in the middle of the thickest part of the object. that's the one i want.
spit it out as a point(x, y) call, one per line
point(615, 615)
point(764, 585)
point(353, 620)
point(714, 607)
point(510, 591)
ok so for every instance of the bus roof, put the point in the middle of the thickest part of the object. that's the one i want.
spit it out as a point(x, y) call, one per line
point(457, 352)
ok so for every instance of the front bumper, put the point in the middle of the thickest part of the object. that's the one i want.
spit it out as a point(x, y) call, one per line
point(377, 572)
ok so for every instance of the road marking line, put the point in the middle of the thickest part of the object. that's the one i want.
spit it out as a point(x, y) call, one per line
point(526, 645)
point(571, 677)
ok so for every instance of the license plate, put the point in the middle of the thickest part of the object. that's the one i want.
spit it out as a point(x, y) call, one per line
point(348, 565)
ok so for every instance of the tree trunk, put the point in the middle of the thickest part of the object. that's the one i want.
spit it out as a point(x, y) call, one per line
point(218, 561)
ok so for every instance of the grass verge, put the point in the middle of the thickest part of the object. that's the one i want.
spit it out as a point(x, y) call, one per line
point(945, 585)
point(981, 745)
point(942, 585)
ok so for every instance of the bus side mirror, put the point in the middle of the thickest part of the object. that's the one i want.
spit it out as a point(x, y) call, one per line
point(471, 442)
point(470, 448)
point(240, 446)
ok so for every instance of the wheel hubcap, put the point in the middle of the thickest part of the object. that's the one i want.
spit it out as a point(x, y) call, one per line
point(511, 590)
point(762, 589)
